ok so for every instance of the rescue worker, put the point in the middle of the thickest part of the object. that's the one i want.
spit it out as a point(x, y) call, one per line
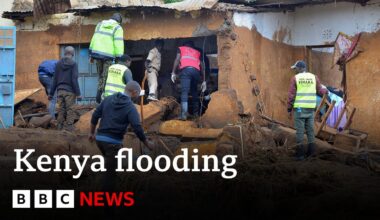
point(153, 65)
point(118, 76)
point(46, 72)
point(190, 66)
point(302, 101)
point(107, 44)
point(66, 84)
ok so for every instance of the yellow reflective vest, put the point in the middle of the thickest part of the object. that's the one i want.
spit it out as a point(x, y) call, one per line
point(306, 96)
point(108, 40)
point(114, 81)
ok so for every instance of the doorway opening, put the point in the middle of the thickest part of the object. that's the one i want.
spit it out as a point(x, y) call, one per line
point(138, 51)
point(320, 62)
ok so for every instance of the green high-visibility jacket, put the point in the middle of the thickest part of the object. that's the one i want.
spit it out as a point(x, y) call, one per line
point(108, 40)
point(306, 96)
point(115, 81)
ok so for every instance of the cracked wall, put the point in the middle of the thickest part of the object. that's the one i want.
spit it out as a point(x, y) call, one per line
point(42, 39)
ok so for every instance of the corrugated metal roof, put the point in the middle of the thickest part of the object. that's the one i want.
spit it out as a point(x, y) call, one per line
point(45, 7)
point(82, 7)
point(191, 5)
point(186, 5)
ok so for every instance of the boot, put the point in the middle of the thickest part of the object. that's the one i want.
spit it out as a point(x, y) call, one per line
point(152, 97)
point(300, 153)
point(184, 109)
point(311, 148)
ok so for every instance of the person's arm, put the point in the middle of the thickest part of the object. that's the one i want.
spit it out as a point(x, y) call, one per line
point(97, 114)
point(118, 41)
point(176, 63)
point(92, 39)
point(74, 79)
point(203, 69)
point(320, 90)
point(127, 77)
point(292, 94)
point(54, 83)
point(94, 121)
point(149, 59)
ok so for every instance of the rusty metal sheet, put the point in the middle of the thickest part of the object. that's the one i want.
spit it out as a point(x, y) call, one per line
point(46, 7)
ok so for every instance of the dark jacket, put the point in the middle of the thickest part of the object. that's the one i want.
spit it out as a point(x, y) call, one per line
point(117, 111)
point(66, 76)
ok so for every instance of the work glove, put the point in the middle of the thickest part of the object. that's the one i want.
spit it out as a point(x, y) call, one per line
point(203, 86)
point(174, 77)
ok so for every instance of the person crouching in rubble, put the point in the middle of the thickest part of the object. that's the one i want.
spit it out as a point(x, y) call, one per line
point(116, 111)
point(189, 62)
point(302, 100)
point(67, 86)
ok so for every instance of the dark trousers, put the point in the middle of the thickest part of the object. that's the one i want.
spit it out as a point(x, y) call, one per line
point(102, 68)
point(304, 119)
point(190, 78)
point(66, 113)
point(109, 152)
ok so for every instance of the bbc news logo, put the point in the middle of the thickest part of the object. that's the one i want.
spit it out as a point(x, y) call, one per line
point(66, 199)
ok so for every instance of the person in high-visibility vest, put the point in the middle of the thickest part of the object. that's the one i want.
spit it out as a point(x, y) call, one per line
point(118, 76)
point(302, 101)
point(188, 61)
point(107, 44)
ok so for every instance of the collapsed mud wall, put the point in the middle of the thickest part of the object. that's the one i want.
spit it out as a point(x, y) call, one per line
point(35, 45)
point(363, 80)
point(250, 54)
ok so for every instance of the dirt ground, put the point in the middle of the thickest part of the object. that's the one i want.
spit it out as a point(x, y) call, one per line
point(269, 184)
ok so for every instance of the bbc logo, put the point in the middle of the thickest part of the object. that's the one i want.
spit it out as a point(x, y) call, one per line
point(43, 199)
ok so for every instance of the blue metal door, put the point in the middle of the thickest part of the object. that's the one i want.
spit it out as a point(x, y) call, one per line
point(7, 75)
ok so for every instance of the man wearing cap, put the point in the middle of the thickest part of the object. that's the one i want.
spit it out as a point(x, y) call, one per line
point(118, 76)
point(116, 112)
point(65, 82)
point(107, 44)
point(302, 100)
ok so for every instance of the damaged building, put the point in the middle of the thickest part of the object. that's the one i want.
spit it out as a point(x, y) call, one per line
point(250, 46)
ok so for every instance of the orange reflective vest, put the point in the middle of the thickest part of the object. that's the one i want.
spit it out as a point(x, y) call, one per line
point(189, 58)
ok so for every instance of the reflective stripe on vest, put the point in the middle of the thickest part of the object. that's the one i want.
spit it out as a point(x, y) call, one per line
point(306, 91)
point(190, 58)
point(106, 41)
point(114, 81)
